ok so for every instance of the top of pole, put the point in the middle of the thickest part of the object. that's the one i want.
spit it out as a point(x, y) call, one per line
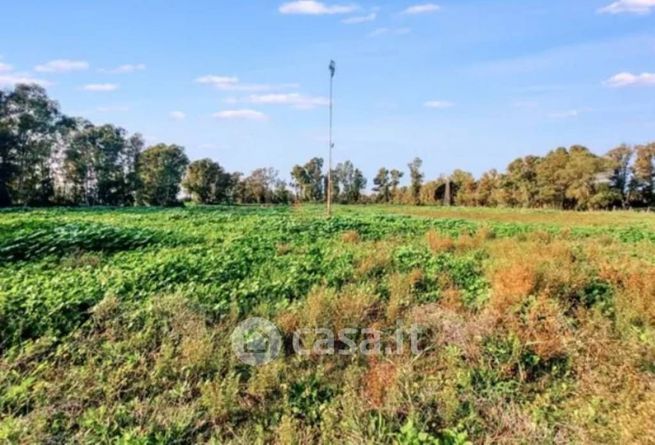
point(333, 68)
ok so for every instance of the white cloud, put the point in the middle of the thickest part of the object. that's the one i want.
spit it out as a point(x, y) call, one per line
point(389, 31)
point(10, 80)
point(440, 104)
point(177, 115)
point(125, 69)
point(631, 6)
point(218, 81)
point(241, 114)
point(360, 19)
point(425, 8)
point(312, 7)
point(62, 66)
point(231, 83)
point(292, 99)
point(4, 68)
point(565, 114)
point(628, 79)
point(100, 87)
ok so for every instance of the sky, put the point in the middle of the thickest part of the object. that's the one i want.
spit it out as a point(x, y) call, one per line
point(468, 84)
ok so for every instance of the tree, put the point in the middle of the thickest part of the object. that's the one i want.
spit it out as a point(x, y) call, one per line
point(462, 186)
point(281, 193)
point(258, 186)
point(357, 185)
point(300, 182)
point(161, 168)
point(552, 180)
point(432, 192)
point(619, 164)
point(382, 185)
point(8, 166)
point(350, 182)
point(237, 193)
point(396, 176)
point(308, 180)
point(484, 192)
point(263, 186)
point(30, 124)
point(94, 165)
point(314, 173)
point(521, 178)
point(643, 175)
point(131, 156)
point(416, 177)
point(583, 176)
point(207, 182)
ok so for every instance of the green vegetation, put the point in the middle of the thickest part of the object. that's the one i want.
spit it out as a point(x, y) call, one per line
point(47, 158)
point(539, 327)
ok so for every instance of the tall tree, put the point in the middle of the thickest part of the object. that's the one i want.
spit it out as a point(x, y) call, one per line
point(8, 166)
point(394, 183)
point(30, 123)
point(522, 180)
point(382, 185)
point(416, 177)
point(643, 175)
point(350, 182)
point(552, 180)
point(207, 182)
point(462, 186)
point(484, 193)
point(619, 163)
point(133, 149)
point(300, 182)
point(309, 181)
point(161, 168)
point(95, 165)
point(583, 176)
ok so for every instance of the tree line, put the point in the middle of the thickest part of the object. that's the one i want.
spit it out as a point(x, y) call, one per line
point(48, 158)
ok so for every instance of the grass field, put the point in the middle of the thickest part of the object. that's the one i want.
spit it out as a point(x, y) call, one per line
point(537, 326)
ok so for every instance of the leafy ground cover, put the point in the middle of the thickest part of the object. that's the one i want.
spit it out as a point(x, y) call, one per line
point(115, 326)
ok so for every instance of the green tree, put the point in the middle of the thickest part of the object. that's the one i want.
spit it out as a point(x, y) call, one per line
point(522, 181)
point(394, 183)
point(552, 180)
point(619, 163)
point(643, 175)
point(349, 181)
point(263, 186)
point(486, 186)
point(207, 182)
point(462, 188)
point(416, 178)
point(382, 185)
point(30, 124)
point(133, 149)
point(8, 165)
point(161, 168)
point(94, 165)
point(583, 176)
point(309, 181)
point(432, 192)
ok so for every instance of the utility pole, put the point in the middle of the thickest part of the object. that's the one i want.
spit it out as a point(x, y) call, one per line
point(333, 68)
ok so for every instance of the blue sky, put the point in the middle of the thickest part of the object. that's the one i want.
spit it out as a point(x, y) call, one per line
point(466, 84)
